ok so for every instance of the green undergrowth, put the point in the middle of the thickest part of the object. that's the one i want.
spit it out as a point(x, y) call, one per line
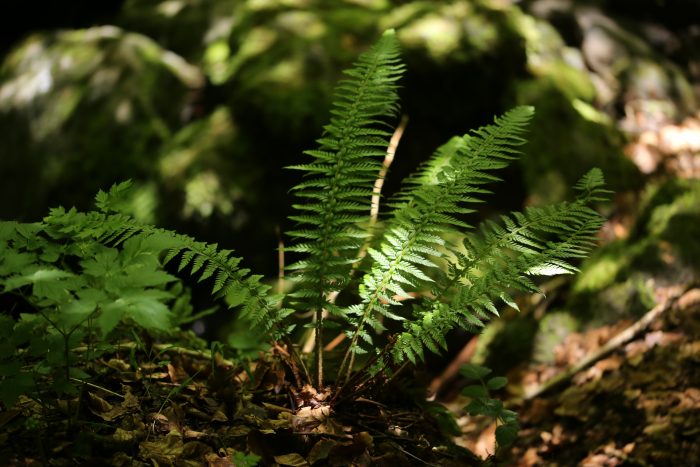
point(374, 284)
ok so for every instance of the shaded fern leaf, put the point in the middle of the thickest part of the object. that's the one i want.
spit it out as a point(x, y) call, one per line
point(202, 260)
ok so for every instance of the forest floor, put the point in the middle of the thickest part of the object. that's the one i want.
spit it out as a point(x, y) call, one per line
point(623, 394)
point(635, 401)
point(164, 404)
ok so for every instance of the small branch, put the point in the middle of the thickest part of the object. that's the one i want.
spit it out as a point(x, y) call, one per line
point(388, 159)
point(319, 348)
point(617, 341)
point(163, 348)
point(95, 386)
point(337, 340)
point(452, 370)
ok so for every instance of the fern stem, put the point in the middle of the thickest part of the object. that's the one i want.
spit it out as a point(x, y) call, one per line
point(346, 138)
point(319, 347)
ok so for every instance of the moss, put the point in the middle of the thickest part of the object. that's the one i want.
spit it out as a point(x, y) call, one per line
point(564, 144)
point(507, 343)
point(671, 213)
point(617, 281)
point(552, 330)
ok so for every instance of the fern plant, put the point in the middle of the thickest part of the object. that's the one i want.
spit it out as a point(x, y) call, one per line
point(405, 282)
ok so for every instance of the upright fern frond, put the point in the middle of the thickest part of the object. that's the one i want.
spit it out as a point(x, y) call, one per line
point(426, 211)
point(337, 191)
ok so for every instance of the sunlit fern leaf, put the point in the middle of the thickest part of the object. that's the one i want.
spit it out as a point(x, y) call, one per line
point(501, 258)
point(337, 190)
point(426, 211)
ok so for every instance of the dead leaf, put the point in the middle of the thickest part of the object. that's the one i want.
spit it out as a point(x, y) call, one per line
point(105, 410)
point(689, 300)
point(163, 451)
point(215, 460)
point(293, 459)
point(321, 450)
point(177, 375)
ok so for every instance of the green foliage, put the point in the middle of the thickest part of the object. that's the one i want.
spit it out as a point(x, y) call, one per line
point(80, 276)
point(483, 404)
point(340, 178)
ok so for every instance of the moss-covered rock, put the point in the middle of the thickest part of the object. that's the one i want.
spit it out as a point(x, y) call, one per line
point(618, 280)
point(86, 108)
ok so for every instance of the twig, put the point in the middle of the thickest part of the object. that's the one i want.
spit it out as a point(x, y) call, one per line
point(617, 341)
point(95, 386)
point(388, 159)
point(464, 356)
point(166, 348)
point(280, 261)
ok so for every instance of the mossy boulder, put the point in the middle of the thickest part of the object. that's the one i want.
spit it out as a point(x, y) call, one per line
point(662, 248)
point(85, 108)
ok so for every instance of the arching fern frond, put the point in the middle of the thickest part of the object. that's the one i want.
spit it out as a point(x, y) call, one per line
point(500, 259)
point(205, 261)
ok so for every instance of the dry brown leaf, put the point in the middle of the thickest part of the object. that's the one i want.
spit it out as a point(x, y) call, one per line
point(293, 459)
point(163, 451)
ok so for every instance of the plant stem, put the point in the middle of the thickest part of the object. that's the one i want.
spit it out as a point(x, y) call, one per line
point(319, 347)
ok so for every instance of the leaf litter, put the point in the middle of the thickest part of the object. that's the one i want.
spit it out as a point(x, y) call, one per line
point(178, 408)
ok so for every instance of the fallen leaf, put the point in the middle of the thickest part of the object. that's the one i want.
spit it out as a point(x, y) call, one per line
point(293, 459)
point(163, 451)
point(321, 449)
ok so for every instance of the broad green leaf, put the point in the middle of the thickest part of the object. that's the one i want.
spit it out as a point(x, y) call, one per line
point(497, 382)
point(148, 312)
point(506, 434)
point(76, 312)
point(475, 391)
point(14, 386)
point(474, 371)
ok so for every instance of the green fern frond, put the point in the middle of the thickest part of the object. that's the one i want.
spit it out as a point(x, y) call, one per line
point(337, 191)
point(426, 211)
point(502, 258)
point(336, 194)
point(203, 260)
